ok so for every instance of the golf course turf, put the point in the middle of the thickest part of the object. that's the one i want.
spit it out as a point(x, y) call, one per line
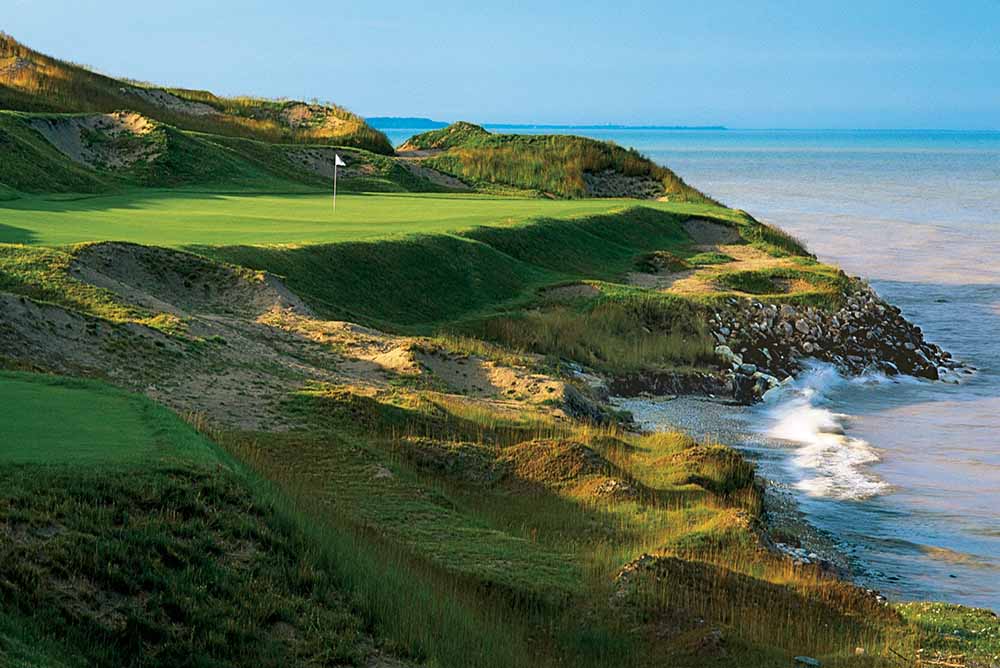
point(180, 218)
point(56, 420)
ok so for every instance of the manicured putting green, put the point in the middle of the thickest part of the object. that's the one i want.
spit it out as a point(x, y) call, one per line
point(179, 218)
point(53, 420)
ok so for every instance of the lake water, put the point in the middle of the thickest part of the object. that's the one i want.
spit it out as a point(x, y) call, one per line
point(913, 484)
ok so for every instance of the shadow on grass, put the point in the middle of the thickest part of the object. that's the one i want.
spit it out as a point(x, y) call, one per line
point(137, 199)
point(16, 235)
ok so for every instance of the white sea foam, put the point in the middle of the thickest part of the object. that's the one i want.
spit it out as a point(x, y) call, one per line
point(827, 461)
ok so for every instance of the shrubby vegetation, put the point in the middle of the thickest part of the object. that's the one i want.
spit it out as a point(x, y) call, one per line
point(554, 164)
point(31, 81)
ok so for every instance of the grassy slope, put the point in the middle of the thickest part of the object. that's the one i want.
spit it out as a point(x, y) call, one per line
point(553, 164)
point(184, 159)
point(427, 281)
point(136, 538)
point(31, 81)
point(474, 267)
point(455, 568)
point(176, 555)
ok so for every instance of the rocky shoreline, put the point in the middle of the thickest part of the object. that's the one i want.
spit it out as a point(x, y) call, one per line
point(761, 345)
point(765, 344)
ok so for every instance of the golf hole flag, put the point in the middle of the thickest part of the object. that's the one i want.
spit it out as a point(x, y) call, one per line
point(337, 163)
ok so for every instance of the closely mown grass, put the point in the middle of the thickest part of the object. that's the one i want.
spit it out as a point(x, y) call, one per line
point(86, 422)
point(224, 217)
point(550, 164)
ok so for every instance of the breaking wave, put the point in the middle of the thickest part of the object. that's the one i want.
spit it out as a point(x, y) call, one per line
point(827, 462)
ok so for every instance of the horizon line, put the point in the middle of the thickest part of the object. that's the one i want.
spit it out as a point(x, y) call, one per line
point(676, 126)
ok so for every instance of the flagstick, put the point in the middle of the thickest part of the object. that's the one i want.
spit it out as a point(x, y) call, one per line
point(334, 186)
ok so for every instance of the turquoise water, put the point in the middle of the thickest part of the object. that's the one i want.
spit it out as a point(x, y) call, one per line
point(918, 214)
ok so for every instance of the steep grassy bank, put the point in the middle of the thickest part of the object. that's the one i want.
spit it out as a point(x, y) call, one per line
point(88, 153)
point(560, 165)
point(31, 81)
point(130, 540)
point(155, 548)
point(407, 510)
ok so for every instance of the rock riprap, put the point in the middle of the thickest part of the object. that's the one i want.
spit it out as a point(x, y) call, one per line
point(763, 344)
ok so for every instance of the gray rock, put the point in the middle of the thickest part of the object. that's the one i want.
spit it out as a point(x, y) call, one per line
point(727, 356)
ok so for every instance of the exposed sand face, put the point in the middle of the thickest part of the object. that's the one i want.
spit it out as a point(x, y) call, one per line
point(162, 98)
point(242, 343)
point(110, 141)
point(438, 178)
point(320, 160)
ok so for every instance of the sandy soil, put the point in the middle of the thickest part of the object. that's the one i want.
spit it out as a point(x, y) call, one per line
point(708, 237)
point(439, 178)
point(120, 134)
point(302, 116)
point(241, 343)
point(320, 160)
point(162, 98)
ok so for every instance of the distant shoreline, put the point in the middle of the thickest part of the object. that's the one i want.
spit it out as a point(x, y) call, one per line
point(409, 123)
point(544, 126)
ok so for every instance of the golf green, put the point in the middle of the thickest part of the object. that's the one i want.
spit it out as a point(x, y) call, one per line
point(180, 218)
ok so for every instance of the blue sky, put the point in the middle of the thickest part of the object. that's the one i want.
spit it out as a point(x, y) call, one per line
point(890, 64)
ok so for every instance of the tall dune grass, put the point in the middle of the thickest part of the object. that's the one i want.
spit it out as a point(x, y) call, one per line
point(31, 81)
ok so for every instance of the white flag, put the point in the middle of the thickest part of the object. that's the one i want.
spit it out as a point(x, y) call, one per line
point(338, 162)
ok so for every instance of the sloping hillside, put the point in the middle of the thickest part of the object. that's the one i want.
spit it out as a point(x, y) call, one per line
point(32, 81)
point(91, 153)
point(552, 165)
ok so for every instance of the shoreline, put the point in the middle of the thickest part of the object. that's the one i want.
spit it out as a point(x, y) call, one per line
point(787, 528)
point(788, 525)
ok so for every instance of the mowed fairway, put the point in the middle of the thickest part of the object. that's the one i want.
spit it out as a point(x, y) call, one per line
point(180, 218)
point(54, 420)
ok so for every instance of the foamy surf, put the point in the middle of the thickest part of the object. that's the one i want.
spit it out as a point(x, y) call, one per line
point(826, 461)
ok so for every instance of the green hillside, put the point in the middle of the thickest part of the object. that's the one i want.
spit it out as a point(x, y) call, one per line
point(560, 165)
point(93, 153)
point(241, 427)
point(32, 81)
